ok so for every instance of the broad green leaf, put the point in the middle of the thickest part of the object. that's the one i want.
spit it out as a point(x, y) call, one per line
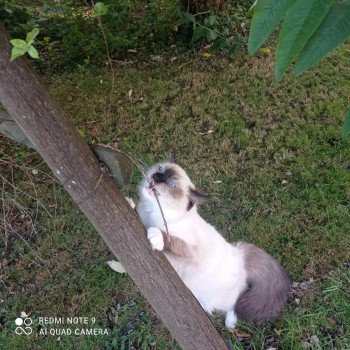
point(32, 52)
point(301, 21)
point(199, 32)
point(333, 31)
point(16, 52)
point(101, 9)
point(211, 35)
point(267, 14)
point(189, 17)
point(20, 44)
point(346, 125)
point(31, 36)
point(211, 20)
point(217, 45)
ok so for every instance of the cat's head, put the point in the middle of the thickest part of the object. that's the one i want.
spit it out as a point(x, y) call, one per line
point(176, 193)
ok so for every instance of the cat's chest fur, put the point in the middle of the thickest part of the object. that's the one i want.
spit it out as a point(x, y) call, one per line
point(211, 268)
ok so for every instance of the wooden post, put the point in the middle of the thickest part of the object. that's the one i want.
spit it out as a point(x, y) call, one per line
point(76, 167)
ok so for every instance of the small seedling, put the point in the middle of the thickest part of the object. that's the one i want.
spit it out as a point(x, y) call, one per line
point(21, 47)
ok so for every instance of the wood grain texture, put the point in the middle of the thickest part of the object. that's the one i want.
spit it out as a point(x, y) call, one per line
point(76, 167)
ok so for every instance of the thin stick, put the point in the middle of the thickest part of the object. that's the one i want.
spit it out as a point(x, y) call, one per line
point(156, 194)
point(25, 193)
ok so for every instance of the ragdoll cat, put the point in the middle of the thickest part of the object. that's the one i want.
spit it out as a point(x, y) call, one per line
point(238, 279)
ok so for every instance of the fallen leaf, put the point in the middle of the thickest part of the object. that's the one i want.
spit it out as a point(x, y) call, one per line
point(116, 266)
point(81, 133)
point(210, 131)
point(156, 58)
point(265, 50)
point(284, 182)
point(206, 54)
point(238, 333)
point(24, 314)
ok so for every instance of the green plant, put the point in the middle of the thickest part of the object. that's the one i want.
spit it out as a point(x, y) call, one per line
point(21, 47)
point(74, 35)
point(214, 30)
point(310, 30)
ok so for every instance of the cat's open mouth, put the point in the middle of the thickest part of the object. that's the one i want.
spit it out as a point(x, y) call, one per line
point(151, 187)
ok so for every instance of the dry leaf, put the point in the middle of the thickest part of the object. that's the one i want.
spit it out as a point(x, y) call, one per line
point(284, 182)
point(206, 54)
point(81, 132)
point(238, 333)
point(210, 131)
point(116, 266)
point(265, 50)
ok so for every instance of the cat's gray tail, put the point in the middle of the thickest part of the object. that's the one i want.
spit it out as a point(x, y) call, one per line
point(268, 286)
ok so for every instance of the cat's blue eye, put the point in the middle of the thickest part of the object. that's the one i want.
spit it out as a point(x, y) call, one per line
point(171, 183)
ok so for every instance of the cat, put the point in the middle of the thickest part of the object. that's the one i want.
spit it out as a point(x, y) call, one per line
point(240, 280)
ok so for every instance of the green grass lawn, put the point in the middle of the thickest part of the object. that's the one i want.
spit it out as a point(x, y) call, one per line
point(270, 156)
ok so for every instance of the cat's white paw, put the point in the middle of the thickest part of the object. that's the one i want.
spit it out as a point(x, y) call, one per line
point(131, 202)
point(230, 320)
point(155, 237)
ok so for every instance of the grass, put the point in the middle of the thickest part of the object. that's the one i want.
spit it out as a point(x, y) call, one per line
point(270, 156)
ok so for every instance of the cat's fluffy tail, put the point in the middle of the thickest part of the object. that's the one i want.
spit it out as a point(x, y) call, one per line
point(268, 286)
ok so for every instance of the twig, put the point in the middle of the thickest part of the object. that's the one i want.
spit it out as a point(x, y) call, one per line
point(25, 167)
point(23, 210)
point(26, 194)
point(184, 64)
point(156, 194)
point(37, 256)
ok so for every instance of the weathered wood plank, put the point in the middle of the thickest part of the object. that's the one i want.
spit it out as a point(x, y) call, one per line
point(76, 167)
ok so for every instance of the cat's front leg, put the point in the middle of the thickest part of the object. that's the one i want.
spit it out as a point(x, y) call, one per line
point(155, 236)
point(231, 319)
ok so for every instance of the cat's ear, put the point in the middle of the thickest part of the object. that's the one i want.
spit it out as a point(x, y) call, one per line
point(197, 197)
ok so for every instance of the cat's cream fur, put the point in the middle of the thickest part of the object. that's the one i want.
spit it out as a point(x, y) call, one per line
point(240, 280)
